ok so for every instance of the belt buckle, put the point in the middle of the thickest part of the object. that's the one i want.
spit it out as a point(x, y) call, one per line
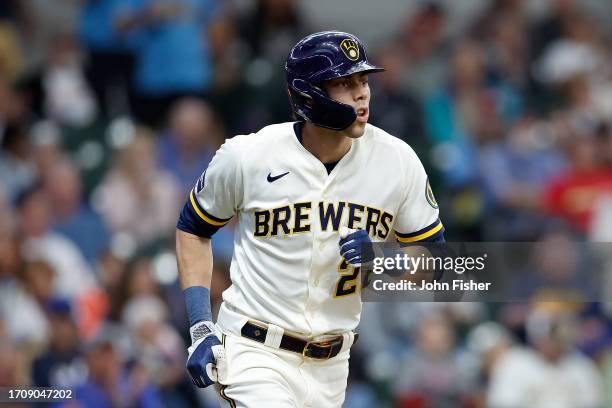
point(325, 343)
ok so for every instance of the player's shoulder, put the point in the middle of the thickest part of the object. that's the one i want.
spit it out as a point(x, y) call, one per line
point(388, 143)
point(266, 136)
point(276, 130)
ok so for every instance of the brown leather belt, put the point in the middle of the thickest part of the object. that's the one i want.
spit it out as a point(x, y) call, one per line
point(320, 350)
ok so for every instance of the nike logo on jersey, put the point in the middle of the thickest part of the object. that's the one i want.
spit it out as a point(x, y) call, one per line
point(274, 178)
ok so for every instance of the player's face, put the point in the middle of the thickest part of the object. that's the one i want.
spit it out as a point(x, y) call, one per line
point(353, 90)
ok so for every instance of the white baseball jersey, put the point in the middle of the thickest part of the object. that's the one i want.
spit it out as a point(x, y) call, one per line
point(286, 268)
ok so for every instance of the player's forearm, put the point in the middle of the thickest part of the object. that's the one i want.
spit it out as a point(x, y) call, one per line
point(422, 273)
point(195, 260)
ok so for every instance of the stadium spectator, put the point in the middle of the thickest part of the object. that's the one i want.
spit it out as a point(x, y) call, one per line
point(189, 144)
point(28, 294)
point(173, 35)
point(59, 89)
point(489, 343)
point(110, 381)
point(396, 109)
point(454, 114)
point(553, 374)
point(508, 53)
point(13, 368)
point(110, 64)
point(73, 277)
point(72, 217)
point(573, 194)
point(137, 198)
point(272, 28)
point(17, 167)
point(160, 349)
point(426, 47)
point(136, 280)
point(434, 373)
point(37, 21)
point(61, 364)
point(267, 33)
point(515, 171)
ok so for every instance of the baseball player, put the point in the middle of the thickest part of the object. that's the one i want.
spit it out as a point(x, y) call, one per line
point(307, 195)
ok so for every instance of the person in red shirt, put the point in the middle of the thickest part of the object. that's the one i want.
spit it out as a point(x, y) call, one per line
point(574, 194)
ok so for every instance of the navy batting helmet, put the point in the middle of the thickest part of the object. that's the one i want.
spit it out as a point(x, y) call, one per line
point(321, 57)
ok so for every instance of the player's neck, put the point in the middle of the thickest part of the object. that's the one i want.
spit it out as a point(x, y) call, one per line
point(326, 145)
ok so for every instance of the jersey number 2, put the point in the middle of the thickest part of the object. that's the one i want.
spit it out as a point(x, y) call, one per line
point(347, 283)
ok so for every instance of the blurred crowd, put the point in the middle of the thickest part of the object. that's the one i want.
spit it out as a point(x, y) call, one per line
point(111, 109)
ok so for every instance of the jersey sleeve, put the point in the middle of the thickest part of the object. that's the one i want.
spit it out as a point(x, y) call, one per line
point(216, 196)
point(418, 217)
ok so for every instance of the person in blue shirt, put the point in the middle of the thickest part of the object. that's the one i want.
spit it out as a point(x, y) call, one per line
point(173, 57)
point(110, 45)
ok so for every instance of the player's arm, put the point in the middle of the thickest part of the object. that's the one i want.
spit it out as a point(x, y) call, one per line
point(194, 258)
point(358, 250)
point(417, 221)
point(195, 262)
point(432, 234)
point(210, 205)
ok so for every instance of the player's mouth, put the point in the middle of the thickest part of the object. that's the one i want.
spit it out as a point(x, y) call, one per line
point(362, 115)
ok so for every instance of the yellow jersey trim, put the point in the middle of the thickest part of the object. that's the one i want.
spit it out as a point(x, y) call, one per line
point(202, 215)
point(422, 236)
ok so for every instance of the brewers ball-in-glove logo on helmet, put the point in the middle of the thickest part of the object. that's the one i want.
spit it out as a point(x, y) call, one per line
point(321, 57)
point(350, 49)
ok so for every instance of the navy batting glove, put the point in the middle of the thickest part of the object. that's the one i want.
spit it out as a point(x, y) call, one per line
point(356, 248)
point(206, 361)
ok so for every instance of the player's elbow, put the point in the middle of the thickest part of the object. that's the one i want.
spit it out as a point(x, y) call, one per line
point(188, 239)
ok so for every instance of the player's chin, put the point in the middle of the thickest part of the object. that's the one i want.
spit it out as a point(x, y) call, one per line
point(356, 129)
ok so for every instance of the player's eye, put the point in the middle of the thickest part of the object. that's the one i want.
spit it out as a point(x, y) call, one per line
point(339, 84)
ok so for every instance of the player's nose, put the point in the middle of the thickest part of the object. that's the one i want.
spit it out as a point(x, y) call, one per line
point(361, 94)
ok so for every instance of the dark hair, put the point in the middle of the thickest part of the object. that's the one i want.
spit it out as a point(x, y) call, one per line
point(13, 134)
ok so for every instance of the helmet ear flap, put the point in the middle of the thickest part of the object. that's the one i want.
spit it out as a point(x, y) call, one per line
point(312, 104)
point(302, 91)
point(301, 99)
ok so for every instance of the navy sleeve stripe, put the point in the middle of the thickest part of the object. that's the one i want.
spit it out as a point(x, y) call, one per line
point(190, 222)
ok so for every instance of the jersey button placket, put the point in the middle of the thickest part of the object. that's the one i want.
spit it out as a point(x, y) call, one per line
point(320, 185)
